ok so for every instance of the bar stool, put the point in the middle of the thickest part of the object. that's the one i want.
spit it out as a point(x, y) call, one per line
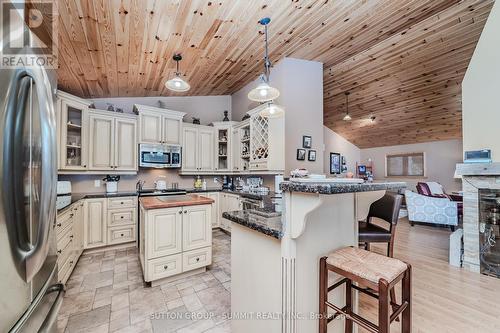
point(364, 269)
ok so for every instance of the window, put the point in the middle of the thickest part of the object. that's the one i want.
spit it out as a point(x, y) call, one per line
point(405, 165)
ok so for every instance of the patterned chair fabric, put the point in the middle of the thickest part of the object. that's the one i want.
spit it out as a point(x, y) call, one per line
point(422, 208)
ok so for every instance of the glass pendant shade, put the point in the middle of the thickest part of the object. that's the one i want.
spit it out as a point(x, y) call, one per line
point(272, 111)
point(263, 93)
point(347, 117)
point(177, 84)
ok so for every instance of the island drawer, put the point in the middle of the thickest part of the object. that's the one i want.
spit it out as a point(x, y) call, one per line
point(121, 216)
point(122, 202)
point(163, 267)
point(121, 234)
point(196, 258)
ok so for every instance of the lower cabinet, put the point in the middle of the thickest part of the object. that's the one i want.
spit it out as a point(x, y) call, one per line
point(228, 203)
point(91, 223)
point(175, 240)
point(110, 221)
point(69, 236)
point(215, 208)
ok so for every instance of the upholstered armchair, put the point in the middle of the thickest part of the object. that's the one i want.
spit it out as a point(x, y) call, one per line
point(430, 209)
point(436, 190)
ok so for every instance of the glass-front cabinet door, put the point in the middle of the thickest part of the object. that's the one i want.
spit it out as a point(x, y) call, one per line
point(73, 145)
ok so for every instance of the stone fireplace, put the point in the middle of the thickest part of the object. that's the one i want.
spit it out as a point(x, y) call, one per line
point(481, 187)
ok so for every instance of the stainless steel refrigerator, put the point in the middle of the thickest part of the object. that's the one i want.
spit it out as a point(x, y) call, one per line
point(30, 296)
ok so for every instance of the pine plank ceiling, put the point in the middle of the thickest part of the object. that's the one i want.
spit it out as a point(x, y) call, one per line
point(403, 61)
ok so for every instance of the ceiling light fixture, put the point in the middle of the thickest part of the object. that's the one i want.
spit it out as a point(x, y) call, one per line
point(347, 117)
point(176, 83)
point(272, 110)
point(264, 92)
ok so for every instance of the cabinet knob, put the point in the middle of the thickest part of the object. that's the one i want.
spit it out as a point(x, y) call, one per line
point(121, 235)
point(121, 217)
point(85, 165)
point(165, 267)
point(59, 251)
point(71, 262)
point(71, 236)
point(121, 203)
point(185, 212)
point(59, 224)
point(180, 212)
point(197, 259)
point(71, 215)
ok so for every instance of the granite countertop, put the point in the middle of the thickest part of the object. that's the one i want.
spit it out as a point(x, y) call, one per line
point(324, 187)
point(265, 221)
point(174, 201)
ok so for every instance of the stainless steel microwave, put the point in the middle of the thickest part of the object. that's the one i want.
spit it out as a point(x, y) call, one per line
point(159, 156)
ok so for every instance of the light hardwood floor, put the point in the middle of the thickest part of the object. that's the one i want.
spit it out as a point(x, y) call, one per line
point(445, 298)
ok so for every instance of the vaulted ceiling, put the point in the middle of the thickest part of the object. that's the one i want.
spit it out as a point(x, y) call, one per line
point(402, 60)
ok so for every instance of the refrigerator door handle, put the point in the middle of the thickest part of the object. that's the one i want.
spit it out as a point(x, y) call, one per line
point(28, 257)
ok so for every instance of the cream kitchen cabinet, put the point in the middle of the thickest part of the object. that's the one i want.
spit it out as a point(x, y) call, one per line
point(228, 203)
point(157, 125)
point(198, 148)
point(69, 245)
point(113, 142)
point(175, 240)
point(95, 223)
point(224, 145)
point(215, 207)
point(72, 129)
point(267, 142)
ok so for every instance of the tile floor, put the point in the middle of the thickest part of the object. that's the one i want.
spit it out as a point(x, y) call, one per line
point(106, 293)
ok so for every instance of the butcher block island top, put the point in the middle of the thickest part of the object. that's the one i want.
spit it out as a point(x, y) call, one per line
point(174, 201)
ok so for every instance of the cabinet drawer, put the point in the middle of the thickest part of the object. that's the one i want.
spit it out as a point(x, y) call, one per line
point(65, 268)
point(258, 165)
point(121, 234)
point(122, 202)
point(122, 216)
point(63, 222)
point(163, 267)
point(196, 258)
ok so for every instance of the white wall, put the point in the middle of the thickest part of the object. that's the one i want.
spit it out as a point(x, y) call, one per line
point(334, 143)
point(481, 91)
point(301, 93)
point(208, 108)
point(440, 159)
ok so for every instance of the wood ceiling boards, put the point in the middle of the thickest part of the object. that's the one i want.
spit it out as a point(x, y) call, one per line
point(402, 60)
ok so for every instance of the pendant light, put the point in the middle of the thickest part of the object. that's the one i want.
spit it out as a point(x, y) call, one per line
point(347, 117)
point(177, 83)
point(264, 92)
point(272, 110)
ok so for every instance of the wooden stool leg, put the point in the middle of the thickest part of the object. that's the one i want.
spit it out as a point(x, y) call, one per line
point(383, 306)
point(323, 296)
point(348, 303)
point(406, 316)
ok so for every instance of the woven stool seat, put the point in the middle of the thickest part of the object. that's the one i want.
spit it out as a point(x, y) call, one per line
point(367, 265)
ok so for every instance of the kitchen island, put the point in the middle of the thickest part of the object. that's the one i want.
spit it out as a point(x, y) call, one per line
point(274, 266)
point(175, 236)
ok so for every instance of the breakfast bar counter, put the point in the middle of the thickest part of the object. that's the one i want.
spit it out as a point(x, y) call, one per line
point(274, 280)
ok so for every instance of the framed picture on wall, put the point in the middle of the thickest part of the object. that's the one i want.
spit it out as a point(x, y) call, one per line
point(301, 154)
point(311, 156)
point(335, 163)
point(306, 141)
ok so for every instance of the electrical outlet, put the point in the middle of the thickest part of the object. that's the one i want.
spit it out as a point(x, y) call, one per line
point(97, 183)
point(216, 180)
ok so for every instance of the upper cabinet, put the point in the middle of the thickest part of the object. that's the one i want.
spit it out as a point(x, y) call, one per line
point(113, 142)
point(72, 116)
point(267, 142)
point(158, 125)
point(224, 145)
point(198, 148)
point(95, 141)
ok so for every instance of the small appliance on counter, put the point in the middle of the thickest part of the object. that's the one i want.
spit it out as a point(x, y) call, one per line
point(63, 194)
point(111, 183)
point(160, 185)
